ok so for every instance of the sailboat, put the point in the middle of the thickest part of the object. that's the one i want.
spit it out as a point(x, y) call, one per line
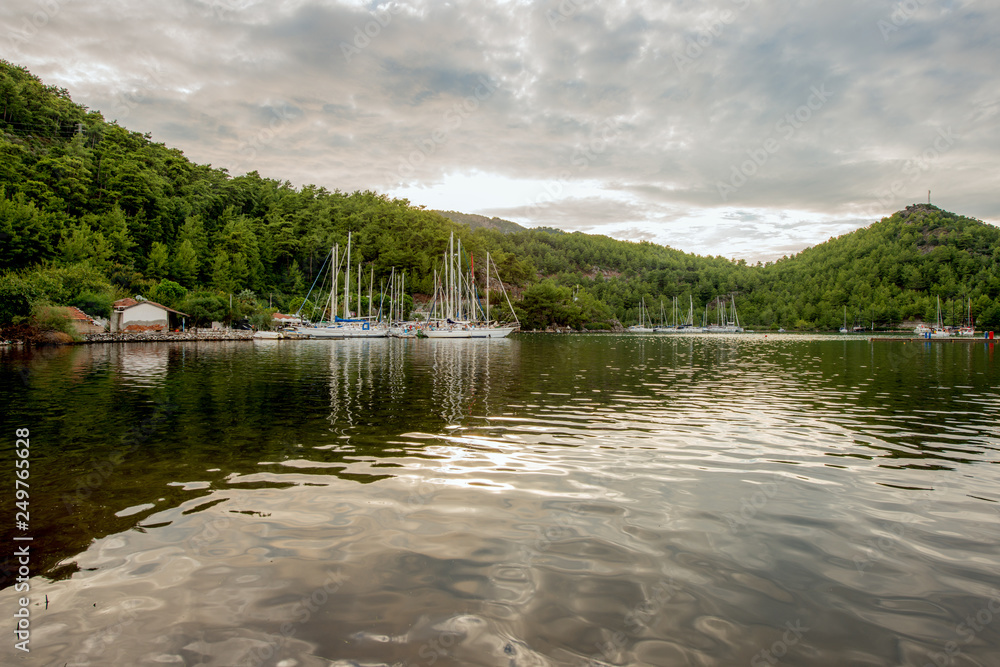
point(643, 319)
point(969, 328)
point(843, 329)
point(940, 330)
point(490, 328)
point(728, 323)
point(346, 326)
point(461, 315)
point(664, 328)
point(689, 322)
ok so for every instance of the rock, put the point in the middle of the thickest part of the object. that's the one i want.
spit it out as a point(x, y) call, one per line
point(169, 336)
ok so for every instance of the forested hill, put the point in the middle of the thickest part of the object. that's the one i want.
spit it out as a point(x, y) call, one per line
point(891, 271)
point(482, 222)
point(90, 212)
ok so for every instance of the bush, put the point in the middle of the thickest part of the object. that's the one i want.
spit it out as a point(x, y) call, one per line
point(49, 318)
point(263, 320)
point(63, 284)
point(16, 299)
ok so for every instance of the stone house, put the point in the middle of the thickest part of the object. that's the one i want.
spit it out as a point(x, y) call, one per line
point(132, 315)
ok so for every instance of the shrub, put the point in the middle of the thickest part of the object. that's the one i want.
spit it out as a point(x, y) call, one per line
point(49, 318)
point(16, 299)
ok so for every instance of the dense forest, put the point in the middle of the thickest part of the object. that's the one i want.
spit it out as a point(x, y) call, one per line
point(91, 212)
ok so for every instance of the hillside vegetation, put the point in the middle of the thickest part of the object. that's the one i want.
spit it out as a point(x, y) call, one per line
point(91, 211)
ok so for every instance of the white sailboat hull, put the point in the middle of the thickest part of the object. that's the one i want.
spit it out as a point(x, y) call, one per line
point(448, 333)
point(491, 332)
point(342, 332)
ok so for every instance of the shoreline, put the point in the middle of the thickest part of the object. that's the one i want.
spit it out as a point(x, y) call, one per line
point(165, 337)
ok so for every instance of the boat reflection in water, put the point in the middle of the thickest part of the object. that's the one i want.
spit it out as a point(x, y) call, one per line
point(542, 500)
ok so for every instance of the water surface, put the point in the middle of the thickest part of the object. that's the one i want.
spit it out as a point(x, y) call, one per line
point(539, 500)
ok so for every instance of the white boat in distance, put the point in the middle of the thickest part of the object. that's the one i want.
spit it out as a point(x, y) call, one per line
point(456, 310)
point(725, 324)
point(643, 318)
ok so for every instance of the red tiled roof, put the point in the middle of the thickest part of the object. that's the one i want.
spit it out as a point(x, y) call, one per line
point(75, 313)
point(279, 316)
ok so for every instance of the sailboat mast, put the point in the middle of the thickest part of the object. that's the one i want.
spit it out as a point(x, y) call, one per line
point(333, 283)
point(347, 281)
point(459, 296)
point(488, 320)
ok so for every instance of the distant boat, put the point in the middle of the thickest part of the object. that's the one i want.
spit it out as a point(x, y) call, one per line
point(267, 335)
point(969, 328)
point(676, 326)
point(456, 310)
point(643, 318)
point(939, 330)
point(728, 323)
point(843, 329)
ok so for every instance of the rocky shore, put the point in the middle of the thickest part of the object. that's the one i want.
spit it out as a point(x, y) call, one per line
point(167, 336)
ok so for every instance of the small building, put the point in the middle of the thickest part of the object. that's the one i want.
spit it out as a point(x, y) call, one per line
point(133, 315)
point(280, 320)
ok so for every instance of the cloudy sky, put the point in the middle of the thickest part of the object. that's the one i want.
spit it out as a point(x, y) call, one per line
point(743, 128)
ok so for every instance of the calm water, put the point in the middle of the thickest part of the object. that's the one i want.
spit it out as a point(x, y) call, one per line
point(541, 500)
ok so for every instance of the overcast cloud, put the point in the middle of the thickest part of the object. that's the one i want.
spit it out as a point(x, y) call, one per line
point(744, 128)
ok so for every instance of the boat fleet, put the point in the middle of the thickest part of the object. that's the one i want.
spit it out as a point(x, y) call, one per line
point(457, 309)
point(725, 316)
point(939, 330)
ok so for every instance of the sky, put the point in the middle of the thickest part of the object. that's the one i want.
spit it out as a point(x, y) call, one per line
point(742, 128)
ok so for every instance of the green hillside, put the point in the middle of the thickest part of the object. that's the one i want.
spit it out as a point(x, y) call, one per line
point(90, 211)
point(474, 221)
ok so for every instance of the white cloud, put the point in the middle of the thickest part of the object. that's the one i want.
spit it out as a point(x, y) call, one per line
point(358, 95)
